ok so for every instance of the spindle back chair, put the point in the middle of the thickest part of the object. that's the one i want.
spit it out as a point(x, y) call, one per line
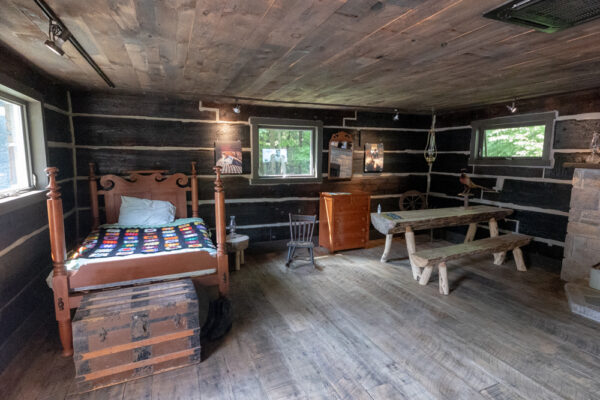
point(301, 233)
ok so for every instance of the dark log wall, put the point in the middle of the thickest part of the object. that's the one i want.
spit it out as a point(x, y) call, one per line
point(25, 299)
point(121, 133)
point(539, 196)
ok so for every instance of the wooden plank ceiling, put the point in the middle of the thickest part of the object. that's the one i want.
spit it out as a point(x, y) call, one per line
point(411, 54)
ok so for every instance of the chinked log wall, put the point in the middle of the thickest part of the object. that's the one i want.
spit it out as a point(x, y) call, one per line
point(25, 300)
point(121, 133)
point(539, 196)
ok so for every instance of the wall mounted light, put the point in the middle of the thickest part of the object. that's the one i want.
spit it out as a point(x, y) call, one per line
point(512, 108)
point(237, 109)
point(57, 36)
point(396, 116)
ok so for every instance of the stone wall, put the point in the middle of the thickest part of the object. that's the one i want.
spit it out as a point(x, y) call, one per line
point(582, 247)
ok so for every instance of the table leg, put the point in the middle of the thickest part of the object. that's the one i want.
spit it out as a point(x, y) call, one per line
point(498, 257)
point(471, 233)
point(443, 277)
point(237, 260)
point(243, 257)
point(387, 248)
point(518, 254)
point(412, 248)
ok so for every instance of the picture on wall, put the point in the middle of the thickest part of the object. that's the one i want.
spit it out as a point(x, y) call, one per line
point(228, 155)
point(373, 157)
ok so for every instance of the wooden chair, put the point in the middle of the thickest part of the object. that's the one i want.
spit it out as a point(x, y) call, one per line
point(301, 232)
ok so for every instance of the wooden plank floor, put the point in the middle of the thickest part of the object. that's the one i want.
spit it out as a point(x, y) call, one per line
point(358, 329)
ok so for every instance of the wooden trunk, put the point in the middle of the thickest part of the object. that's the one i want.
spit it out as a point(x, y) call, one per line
point(344, 220)
point(125, 334)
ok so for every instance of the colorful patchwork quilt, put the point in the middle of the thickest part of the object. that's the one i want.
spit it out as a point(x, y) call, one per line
point(119, 241)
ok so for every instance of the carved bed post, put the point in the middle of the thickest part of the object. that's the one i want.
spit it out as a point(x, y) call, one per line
point(58, 250)
point(222, 261)
point(194, 189)
point(92, 179)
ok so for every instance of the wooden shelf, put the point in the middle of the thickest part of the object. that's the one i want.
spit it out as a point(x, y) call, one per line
point(581, 165)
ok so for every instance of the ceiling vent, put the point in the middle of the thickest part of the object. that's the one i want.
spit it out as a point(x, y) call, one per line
point(546, 15)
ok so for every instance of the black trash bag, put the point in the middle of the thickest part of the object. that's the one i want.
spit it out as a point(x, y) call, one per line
point(219, 319)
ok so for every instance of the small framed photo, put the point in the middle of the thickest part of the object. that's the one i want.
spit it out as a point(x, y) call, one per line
point(228, 155)
point(373, 157)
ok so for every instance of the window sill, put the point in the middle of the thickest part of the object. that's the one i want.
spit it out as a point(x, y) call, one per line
point(14, 203)
point(515, 162)
point(284, 181)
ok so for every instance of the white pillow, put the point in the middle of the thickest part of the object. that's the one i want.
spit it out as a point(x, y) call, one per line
point(136, 211)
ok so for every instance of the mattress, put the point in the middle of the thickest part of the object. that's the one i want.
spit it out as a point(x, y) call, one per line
point(113, 242)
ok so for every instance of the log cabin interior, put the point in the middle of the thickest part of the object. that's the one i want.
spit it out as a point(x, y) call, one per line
point(267, 199)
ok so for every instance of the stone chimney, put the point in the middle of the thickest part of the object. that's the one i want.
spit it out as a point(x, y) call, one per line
point(582, 247)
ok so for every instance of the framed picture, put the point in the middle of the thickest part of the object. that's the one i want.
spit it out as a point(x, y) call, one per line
point(340, 156)
point(373, 157)
point(228, 155)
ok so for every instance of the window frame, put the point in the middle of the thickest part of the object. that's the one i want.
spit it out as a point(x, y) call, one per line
point(513, 121)
point(9, 193)
point(278, 123)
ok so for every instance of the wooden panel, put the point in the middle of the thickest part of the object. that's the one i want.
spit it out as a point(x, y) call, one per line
point(33, 295)
point(560, 171)
point(452, 163)
point(261, 213)
point(239, 188)
point(381, 120)
point(57, 126)
point(160, 106)
point(62, 158)
point(22, 222)
point(453, 140)
point(339, 53)
point(450, 185)
point(22, 264)
point(508, 171)
point(18, 68)
point(574, 134)
point(97, 131)
point(118, 161)
point(555, 196)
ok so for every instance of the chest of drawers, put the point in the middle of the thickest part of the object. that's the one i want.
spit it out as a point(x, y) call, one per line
point(344, 220)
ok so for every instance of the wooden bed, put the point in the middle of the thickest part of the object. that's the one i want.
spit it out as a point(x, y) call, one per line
point(68, 285)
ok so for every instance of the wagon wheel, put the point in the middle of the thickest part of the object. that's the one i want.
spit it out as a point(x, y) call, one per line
point(412, 200)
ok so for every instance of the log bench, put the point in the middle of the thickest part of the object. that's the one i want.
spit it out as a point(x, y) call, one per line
point(498, 245)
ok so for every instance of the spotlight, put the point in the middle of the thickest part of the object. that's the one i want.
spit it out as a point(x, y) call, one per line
point(237, 109)
point(512, 108)
point(56, 38)
point(396, 115)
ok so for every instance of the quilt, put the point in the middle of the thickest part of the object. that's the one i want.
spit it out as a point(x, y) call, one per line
point(112, 241)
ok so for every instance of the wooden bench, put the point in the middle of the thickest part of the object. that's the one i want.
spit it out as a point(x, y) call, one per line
point(498, 245)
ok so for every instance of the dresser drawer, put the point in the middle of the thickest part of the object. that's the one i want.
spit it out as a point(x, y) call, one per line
point(350, 222)
point(351, 204)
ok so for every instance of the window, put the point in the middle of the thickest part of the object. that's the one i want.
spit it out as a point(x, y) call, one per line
point(286, 151)
point(514, 140)
point(14, 155)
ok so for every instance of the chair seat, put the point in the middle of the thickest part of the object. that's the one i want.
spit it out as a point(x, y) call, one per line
point(300, 244)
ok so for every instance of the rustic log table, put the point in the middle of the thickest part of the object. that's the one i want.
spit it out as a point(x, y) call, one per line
point(389, 223)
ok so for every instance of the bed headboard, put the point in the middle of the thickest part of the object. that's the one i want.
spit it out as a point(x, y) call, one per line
point(151, 184)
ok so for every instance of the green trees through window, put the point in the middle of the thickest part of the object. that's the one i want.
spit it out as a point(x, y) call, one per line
point(285, 152)
point(524, 141)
